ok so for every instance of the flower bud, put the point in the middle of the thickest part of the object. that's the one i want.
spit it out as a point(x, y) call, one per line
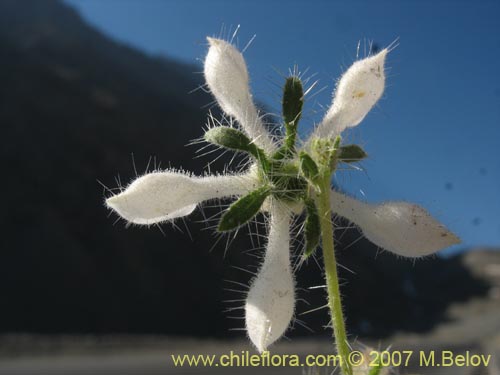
point(271, 299)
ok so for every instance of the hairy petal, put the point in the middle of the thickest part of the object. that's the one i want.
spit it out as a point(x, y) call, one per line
point(227, 77)
point(357, 91)
point(402, 228)
point(270, 302)
point(162, 196)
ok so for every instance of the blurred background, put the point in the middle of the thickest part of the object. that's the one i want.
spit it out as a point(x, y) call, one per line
point(93, 92)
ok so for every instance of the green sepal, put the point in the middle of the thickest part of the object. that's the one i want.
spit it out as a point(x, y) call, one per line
point(234, 139)
point(308, 168)
point(284, 152)
point(244, 209)
point(375, 369)
point(293, 99)
point(334, 155)
point(287, 182)
point(312, 228)
point(351, 153)
point(326, 152)
point(229, 138)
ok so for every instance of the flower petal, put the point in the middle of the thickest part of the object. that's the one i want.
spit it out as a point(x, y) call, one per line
point(227, 77)
point(402, 228)
point(162, 196)
point(271, 299)
point(357, 91)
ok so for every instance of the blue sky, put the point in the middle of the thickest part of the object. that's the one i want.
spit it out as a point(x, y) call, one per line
point(434, 138)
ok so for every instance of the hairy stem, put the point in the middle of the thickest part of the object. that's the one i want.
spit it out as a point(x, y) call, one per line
point(331, 276)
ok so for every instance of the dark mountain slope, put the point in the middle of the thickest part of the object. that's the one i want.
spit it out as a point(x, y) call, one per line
point(73, 107)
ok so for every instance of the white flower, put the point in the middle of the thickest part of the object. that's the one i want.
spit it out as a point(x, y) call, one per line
point(399, 227)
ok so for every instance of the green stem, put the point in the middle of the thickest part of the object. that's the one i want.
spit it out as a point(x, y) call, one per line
point(332, 280)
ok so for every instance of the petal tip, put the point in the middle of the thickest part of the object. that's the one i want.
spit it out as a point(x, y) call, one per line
point(112, 202)
point(382, 54)
point(453, 239)
point(213, 41)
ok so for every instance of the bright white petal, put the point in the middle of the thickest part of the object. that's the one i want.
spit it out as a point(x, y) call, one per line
point(357, 91)
point(271, 299)
point(227, 77)
point(162, 196)
point(402, 228)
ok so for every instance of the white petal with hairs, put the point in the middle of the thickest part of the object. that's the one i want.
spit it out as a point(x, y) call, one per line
point(163, 196)
point(227, 77)
point(402, 228)
point(270, 302)
point(357, 91)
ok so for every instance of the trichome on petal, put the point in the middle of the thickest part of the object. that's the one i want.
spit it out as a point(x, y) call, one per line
point(270, 302)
